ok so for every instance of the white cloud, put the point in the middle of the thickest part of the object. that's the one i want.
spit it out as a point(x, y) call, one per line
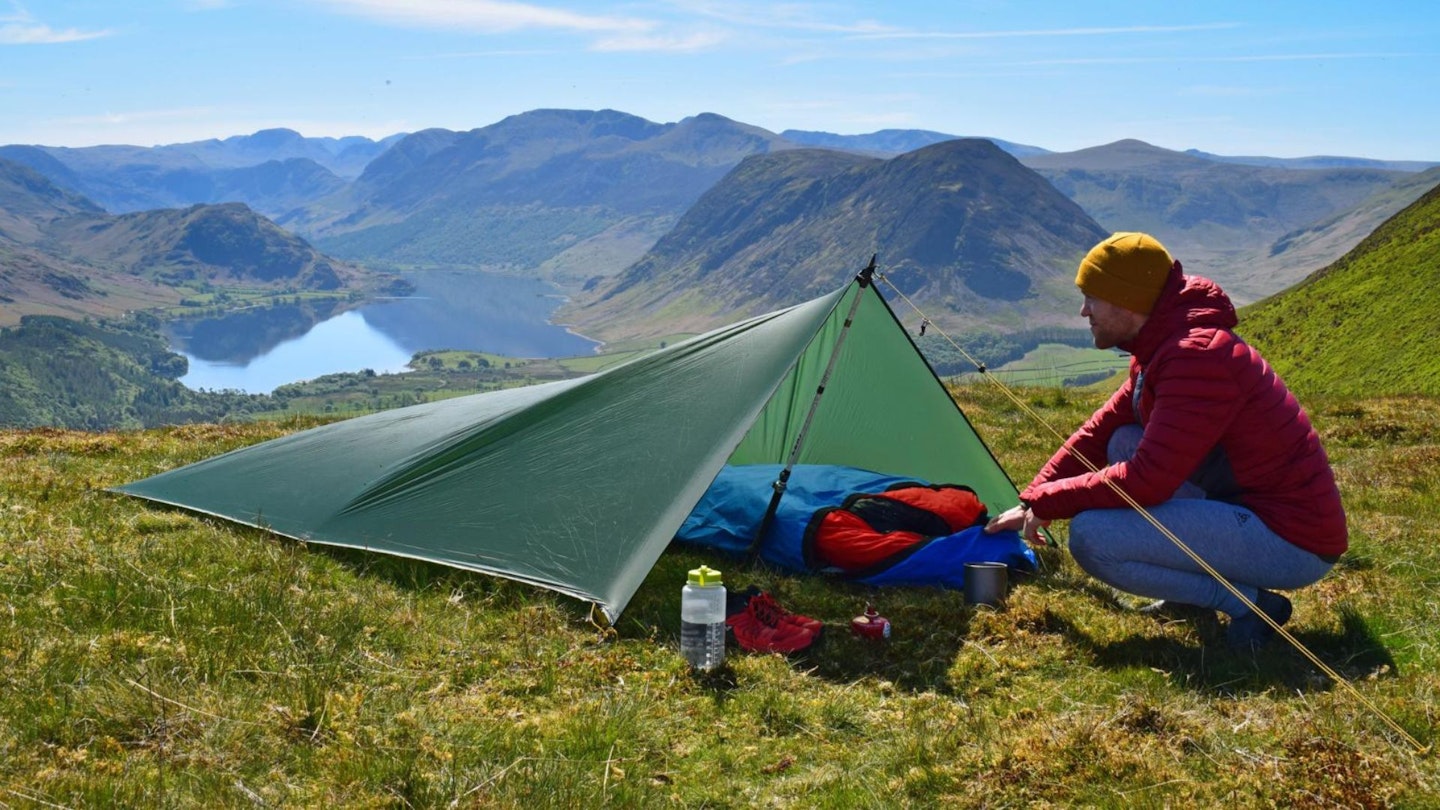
point(490, 54)
point(675, 43)
point(1140, 60)
point(1045, 32)
point(19, 28)
point(690, 25)
point(788, 16)
point(612, 33)
point(489, 16)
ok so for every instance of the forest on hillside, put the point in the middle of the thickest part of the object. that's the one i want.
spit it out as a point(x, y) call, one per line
point(119, 374)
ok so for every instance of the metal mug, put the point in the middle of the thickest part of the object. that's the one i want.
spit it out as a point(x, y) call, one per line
point(986, 583)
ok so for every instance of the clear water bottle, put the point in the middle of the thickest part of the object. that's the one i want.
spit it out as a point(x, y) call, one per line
point(702, 619)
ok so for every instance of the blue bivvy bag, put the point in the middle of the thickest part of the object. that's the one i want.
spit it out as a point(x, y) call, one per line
point(731, 511)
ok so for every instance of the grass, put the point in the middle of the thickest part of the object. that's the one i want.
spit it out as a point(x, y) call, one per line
point(159, 658)
point(1366, 324)
point(1054, 365)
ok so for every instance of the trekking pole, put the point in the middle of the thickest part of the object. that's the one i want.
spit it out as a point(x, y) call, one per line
point(863, 278)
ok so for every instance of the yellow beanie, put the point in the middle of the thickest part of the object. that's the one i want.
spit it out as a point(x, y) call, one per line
point(1128, 269)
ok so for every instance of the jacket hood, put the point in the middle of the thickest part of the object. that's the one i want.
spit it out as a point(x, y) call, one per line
point(1186, 302)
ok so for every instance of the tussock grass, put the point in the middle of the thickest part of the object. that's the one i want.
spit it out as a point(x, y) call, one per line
point(154, 657)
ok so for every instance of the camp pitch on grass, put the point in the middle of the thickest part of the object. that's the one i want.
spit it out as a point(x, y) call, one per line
point(579, 485)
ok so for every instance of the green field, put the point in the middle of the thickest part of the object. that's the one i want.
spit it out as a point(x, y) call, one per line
point(159, 658)
point(1053, 365)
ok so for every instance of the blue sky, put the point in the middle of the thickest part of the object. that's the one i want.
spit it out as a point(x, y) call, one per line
point(1286, 79)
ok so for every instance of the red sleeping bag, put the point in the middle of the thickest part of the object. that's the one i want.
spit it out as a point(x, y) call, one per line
point(870, 529)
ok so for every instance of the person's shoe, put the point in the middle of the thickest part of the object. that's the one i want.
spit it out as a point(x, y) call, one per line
point(763, 626)
point(1249, 632)
point(1171, 611)
point(770, 612)
point(754, 635)
point(737, 601)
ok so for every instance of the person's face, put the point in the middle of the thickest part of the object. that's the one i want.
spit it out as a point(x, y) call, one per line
point(1110, 324)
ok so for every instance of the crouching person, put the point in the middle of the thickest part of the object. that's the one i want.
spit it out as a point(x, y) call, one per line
point(1205, 437)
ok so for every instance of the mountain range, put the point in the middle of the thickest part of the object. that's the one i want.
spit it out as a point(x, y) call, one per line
point(60, 254)
point(963, 226)
point(652, 226)
point(1255, 228)
point(272, 170)
point(659, 229)
point(577, 193)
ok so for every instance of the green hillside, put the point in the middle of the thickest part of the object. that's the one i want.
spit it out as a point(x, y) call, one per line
point(58, 372)
point(62, 255)
point(1369, 324)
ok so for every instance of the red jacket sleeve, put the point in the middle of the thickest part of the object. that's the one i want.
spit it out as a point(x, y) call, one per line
point(1194, 401)
point(1090, 440)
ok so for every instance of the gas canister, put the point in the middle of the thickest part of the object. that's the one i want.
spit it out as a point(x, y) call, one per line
point(870, 624)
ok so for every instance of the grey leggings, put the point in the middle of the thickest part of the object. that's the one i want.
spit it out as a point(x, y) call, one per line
point(1121, 548)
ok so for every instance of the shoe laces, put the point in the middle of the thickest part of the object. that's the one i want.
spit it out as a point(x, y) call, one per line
point(765, 609)
point(769, 613)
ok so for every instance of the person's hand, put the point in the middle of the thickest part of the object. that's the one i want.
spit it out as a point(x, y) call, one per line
point(1008, 521)
point(1019, 518)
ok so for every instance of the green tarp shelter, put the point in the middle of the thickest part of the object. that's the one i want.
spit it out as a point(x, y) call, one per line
point(579, 485)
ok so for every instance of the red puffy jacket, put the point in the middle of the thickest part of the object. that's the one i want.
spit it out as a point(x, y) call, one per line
point(1203, 387)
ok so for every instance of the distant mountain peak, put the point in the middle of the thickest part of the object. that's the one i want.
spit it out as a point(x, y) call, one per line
point(269, 137)
point(1127, 154)
point(1127, 143)
point(961, 225)
point(708, 118)
point(890, 142)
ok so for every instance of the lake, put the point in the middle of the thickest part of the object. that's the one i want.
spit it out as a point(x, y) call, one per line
point(260, 350)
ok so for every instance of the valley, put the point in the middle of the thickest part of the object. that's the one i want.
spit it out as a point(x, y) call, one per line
point(648, 232)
